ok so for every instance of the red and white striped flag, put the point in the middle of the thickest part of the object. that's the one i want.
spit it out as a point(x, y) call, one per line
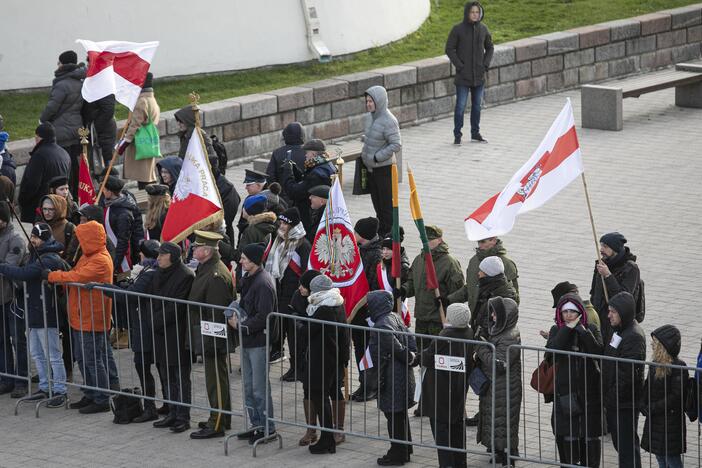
point(366, 361)
point(555, 164)
point(117, 67)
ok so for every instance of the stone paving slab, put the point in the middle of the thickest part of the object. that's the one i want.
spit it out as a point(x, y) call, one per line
point(644, 182)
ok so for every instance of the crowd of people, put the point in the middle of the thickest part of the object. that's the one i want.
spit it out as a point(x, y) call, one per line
point(239, 271)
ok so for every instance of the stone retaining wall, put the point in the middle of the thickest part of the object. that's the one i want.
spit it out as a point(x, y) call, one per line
point(419, 91)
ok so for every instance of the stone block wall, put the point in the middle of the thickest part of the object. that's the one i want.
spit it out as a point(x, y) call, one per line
point(423, 90)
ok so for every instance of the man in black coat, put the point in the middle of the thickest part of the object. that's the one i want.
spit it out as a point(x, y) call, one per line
point(622, 382)
point(469, 46)
point(121, 224)
point(230, 198)
point(318, 197)
point(294, 137)
point(47, 160)
point(101, 115)
point(619, 272)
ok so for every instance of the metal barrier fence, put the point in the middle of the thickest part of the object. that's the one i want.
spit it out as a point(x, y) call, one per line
point(636, 411)
point(15, 358)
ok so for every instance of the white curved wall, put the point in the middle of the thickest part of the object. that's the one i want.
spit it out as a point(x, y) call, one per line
point(196, 37)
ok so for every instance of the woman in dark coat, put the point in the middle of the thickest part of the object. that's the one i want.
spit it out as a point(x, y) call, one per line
point(576, 418)
point(323, 355)
point(443, 391)
point(502, 333)
point(662, 404)
point(392, 354)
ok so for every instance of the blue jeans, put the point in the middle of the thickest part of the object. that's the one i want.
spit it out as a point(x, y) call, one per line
point(476, 98)
point(93, 353)
point(43, 342)
point(13, 345)
point(253, 371)
point(669, 461)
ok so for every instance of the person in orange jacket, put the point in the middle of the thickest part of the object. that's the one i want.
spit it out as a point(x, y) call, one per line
point(90, 317)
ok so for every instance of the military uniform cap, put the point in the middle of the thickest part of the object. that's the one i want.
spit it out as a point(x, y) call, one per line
point(253, 177)
point(207, 238)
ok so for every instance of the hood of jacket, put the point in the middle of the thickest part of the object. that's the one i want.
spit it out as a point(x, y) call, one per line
point(172, 164)
point(122, 202)
point(265, 217)
point(466, 11)
point(60, 205)
point(91, 236)
point(506, 314)
point(187, 116)
point(71, 71)
point(380, 303)
point(575, 299)
point(439, 251)
point(669, 337)
point(380, 98)
point(625, 305)
point(293, 134)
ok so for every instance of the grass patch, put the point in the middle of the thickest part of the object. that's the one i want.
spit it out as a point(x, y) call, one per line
point(507, 19)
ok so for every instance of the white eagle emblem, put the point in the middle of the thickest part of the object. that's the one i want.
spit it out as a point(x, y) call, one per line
point(337, 254)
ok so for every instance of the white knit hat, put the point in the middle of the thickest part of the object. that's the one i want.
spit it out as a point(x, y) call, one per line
point(458, 315)
point(492, 266)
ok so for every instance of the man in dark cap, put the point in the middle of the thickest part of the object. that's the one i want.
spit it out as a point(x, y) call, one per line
point(47, 160)
point(64, 109)
point(230, 198)
point(294, 137)
point(120, 224)
point(212, 285)
point(318, 196)
point(617, 272)
point(258, 299)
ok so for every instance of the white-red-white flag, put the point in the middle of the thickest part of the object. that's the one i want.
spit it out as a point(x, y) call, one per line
point(555, 164)
point(196, 202)
point(335, 253)
point(366, 361)
point(117, 67)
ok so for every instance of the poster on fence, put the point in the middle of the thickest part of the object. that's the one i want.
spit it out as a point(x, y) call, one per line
point(218, 330)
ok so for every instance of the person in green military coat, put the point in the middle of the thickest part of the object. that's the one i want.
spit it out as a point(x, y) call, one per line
point(212, 285)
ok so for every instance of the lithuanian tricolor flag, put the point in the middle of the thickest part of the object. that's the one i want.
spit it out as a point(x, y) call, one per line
point(432, 282)
point(396, 255)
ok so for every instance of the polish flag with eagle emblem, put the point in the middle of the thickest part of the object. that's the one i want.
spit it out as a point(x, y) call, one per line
point(117, 67)
point(555, 164)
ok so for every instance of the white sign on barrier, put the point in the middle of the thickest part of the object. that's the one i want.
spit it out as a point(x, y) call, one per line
point(218, 330)
point(450, 363)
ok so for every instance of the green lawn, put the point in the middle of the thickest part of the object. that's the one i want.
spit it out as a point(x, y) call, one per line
point(507, 19)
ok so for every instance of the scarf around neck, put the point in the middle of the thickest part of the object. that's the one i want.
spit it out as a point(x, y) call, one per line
point(283, 250)
point(329, 298)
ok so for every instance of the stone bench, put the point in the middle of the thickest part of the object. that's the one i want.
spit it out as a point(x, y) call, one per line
point(602, 104)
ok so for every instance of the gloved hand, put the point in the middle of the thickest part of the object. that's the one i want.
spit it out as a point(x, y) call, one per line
point(45, 274)
point(122, 146)
point(399, 293)
point(572, 324)
point(415, 359)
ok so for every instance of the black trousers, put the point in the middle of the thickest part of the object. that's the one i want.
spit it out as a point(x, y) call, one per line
point(450, 435)
point(322, 407)
point(142, 365)
point(360, 338)
point(583, 452)
point(623, 424)
point(398, 428)
point(179, 389)
point(380, 186)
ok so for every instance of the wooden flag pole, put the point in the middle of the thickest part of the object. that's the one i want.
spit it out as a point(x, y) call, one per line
point(442, 314)
point(594, 234)
point(114, 158)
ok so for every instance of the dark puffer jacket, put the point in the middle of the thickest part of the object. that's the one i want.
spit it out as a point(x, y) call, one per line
point(65, 104)
point(469, 47)
point(293, 135)
point(296, 186)
point(503, 333)
point(120, 216)
point(258, 299)
point(662, 402)
point(371, 255)
point(187, 116)
point(490, 286)
point(391, 354)
point(622, 382)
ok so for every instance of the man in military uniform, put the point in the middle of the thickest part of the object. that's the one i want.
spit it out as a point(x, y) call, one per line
point(212, 285)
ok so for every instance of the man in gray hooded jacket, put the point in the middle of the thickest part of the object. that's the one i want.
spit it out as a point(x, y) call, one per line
point(381, 142)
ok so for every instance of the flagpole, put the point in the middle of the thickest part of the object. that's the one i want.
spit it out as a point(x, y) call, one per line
point(112, 161)
point(594, 234)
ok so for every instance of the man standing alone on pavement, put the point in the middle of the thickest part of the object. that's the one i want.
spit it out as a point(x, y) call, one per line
point(469, 46)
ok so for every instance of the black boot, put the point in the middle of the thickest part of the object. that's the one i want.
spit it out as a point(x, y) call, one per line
point(593, 452)
point(325, 444)
point(149, 413)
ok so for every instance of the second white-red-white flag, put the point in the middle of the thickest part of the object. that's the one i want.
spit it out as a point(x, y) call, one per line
point(555, 164)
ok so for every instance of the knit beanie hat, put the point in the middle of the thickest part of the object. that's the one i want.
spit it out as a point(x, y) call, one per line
point(45, 131)
point(150, 248)
point(114, 184)
point(255, 204)
point(42, 231)
point(492, 266)
point(4, 137)
point(669, 337)
point(68, 57)
point(458, 315)
point(254, 252)
point(290, 216)
point(5, 212)
point(614, 240)
point(367, 227)
point(307, 278)
point(321, 283)
point(562, 289)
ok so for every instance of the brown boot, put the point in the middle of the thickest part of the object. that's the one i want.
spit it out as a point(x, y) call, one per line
point(310, 436)
point(122, 341)
point(338, 417)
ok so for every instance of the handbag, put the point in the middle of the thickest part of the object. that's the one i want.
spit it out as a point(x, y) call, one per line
point(478, 381)
point(125, 408)
point(569, 404)
point(542, 379)
point(147, 141)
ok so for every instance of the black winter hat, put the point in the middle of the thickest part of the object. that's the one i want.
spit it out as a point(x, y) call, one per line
point(367, 227)
point(58, 181)
point(156, 189)
point(171, 249)
point(5, 212)
point(315, 145)
point(562, 289)
point(114, 184)
point(148, 81)
point(387, 243)
point(92, 213)
point(150, 248)
point(669, 337)
point(42, 231)
point(294, 134)
point(614, 240)
point(45, 131)
point(68, 57)
point(254, 252)
point(290, 216)
point(307, 277)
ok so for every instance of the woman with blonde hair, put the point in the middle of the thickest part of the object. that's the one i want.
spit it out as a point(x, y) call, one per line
point(159, 202)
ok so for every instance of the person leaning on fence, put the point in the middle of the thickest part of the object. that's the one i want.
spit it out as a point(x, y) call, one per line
point(622, 382)
point(323, 359)
point(663, 400)
point(44, 341)
point(212, 285)
point(576, 417)
point(258, 299)
point(502, 333)
point(392, 353)
point(90, 317)
point(444, 391)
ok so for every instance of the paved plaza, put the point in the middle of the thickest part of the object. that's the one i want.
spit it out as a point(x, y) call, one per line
point(644, 182)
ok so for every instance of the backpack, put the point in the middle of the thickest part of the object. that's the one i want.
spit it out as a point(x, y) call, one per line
point(221, 154)
point(640, 301)
point(125, 408)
